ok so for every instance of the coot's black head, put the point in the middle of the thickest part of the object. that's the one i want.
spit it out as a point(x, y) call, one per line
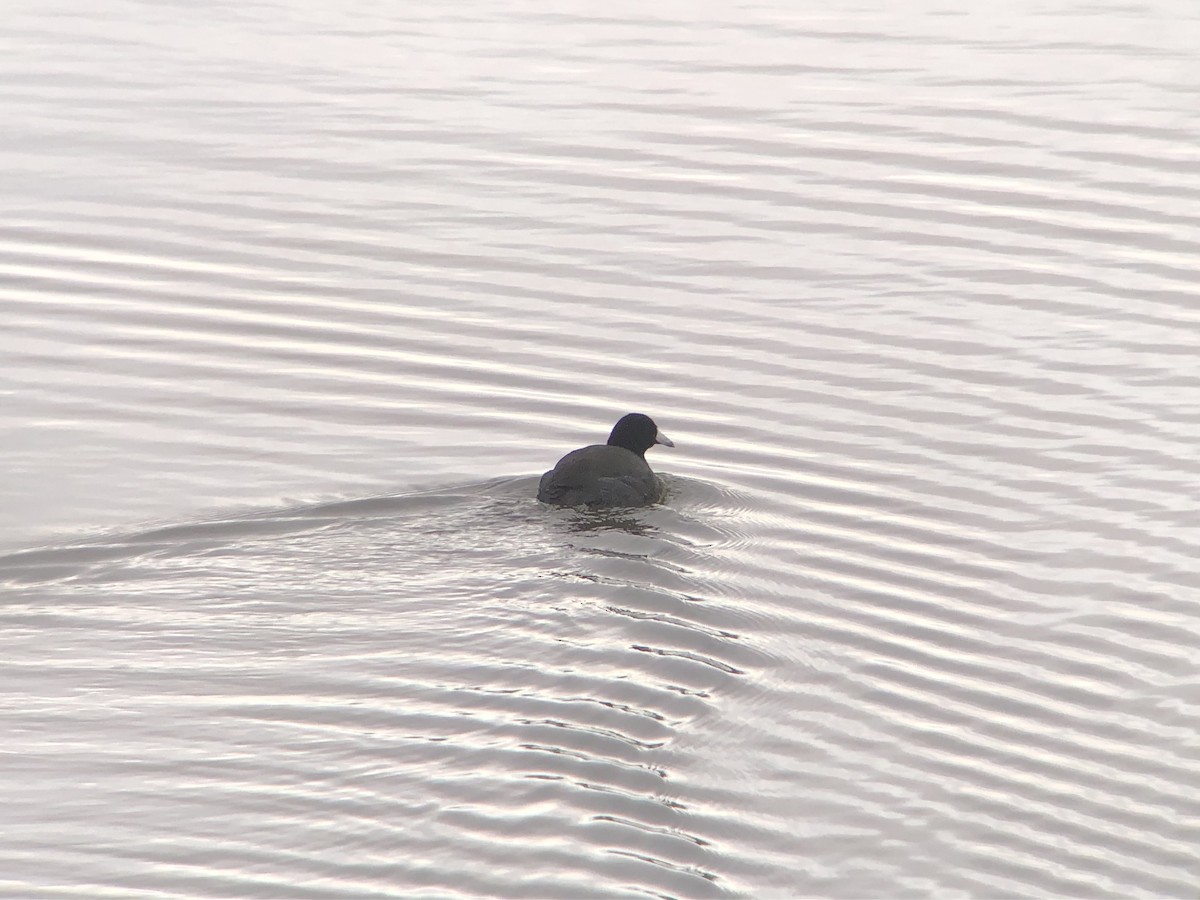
point(637, 433)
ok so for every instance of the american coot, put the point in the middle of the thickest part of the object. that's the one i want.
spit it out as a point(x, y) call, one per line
point(612, 474)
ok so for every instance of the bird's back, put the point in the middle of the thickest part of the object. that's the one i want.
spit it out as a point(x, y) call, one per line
point(600, 475)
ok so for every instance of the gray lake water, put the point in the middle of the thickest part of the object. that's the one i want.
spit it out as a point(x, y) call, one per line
point(297, 301)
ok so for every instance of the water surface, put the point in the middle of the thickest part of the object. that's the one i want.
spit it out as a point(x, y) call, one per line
point(297, 302)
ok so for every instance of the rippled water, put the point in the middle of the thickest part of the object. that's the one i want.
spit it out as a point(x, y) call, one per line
point(298, 300)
